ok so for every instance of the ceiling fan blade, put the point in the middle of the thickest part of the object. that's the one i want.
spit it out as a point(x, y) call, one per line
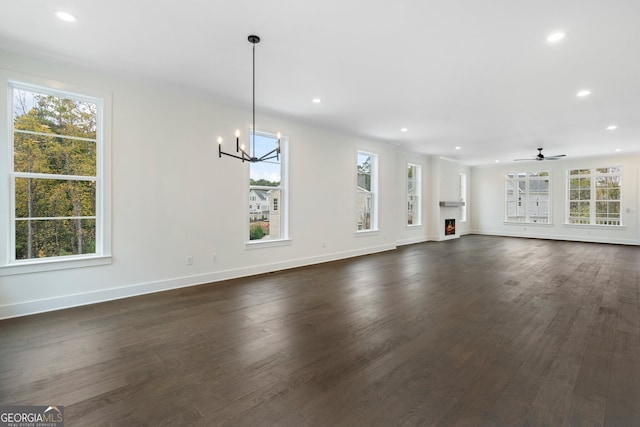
point(523, 160)
point(556, 157)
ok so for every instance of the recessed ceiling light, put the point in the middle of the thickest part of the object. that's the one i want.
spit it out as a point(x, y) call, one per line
point(316, 100)
point(404, 130)
point(458, 148)
point(583, 93)
point(612, 127)
point(556, 37)
point(66, 16)
point(617, 150)
point(497, 161)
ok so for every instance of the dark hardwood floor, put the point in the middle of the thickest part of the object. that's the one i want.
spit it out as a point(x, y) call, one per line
point(479, 331)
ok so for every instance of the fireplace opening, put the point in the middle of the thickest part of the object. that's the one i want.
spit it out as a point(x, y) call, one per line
point(450, 227)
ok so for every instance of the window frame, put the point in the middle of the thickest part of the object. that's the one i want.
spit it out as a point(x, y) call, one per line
point(373, 192)
point(9, 265)
point(527, 177)
point(463, 197)
point(593, 200)
point(417, 181)
point(283, 202)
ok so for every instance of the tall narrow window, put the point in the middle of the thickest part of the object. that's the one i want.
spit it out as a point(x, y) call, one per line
point(463, 197)
point(55, 173)
point(594, 196)
point(527, 197)
point(414, 194)
point(267, 191)
point(366, 192)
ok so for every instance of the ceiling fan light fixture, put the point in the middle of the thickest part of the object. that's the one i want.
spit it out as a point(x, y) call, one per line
point(539, 157)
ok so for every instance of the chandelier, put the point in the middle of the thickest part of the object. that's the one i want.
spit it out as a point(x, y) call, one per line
point(242, 153)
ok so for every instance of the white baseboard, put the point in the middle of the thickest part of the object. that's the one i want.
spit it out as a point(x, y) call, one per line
point(68, 301)
point(587, 239)
point(411, 241)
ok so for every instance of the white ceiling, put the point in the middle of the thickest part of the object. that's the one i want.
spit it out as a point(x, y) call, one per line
point(475, 74)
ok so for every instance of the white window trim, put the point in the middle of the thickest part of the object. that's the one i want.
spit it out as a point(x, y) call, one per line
point(592, 201)
point(418, 182)
point(284, 199)
point(528, 180)
point(374, 194)
point(10, 266)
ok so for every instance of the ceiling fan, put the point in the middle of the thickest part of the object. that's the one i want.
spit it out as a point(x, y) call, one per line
point(541, 156)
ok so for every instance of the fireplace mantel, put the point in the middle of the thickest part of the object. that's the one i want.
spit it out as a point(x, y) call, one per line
point(451, 204)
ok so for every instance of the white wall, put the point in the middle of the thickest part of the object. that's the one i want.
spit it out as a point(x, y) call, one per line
point(487, 192)
point(172, 197)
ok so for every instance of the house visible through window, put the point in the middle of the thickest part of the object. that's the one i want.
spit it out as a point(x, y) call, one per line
point(594, 196)
point(267, 188)
point(527, 197)
point(366, 192)
point(56, 182)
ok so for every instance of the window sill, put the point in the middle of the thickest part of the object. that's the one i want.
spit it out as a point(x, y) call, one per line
point(267, 243)
point(38, 266)
point(412, 226)
point(595, 226)
point(536, 224)
point(367, 232)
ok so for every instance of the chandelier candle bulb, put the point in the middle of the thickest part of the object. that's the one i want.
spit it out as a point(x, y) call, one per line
point(219, 146)
point(238, 141)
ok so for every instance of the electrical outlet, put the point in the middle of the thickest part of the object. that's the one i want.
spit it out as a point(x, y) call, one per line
point(189, 260)
point(214, 257)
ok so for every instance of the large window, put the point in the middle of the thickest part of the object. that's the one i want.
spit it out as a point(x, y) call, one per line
point(55, 176)
point(594, 196)
point(527, 197)
point(366, 192)
point(267, 191)
point(463, 197)
point(414, 194)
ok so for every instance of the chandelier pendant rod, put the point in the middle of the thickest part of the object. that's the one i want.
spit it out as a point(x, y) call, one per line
point(251, 155)
point(253, 129)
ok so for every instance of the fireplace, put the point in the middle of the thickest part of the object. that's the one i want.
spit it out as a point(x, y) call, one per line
point(450, 227)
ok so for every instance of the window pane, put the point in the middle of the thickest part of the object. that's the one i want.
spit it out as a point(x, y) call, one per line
point(46, 198)
point(265, 173)
point(54, 155)
point(363, 210)
point(52, 238)
point(364, 171)
point(579, 172)
point(364, 163)
point(64, 116)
